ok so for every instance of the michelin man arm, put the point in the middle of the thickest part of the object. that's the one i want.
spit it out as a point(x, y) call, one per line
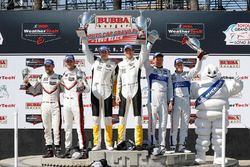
point(234, 86)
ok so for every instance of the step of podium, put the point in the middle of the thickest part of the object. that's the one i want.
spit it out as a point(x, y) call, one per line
point(117, 159)
point(142, 158)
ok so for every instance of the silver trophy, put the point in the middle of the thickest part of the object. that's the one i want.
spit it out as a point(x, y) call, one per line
point(79, 77)
point(84, 20)
point(142, 24)
point(193, 43)
point(25, 74)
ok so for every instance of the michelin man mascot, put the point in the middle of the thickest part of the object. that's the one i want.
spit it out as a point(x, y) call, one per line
point(211, 94)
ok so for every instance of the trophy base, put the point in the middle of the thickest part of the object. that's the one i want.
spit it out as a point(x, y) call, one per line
point(141, 40)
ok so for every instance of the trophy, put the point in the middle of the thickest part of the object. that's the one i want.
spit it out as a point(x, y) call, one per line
point(153, 36)
point(142, 24)
point(25, 74)
point(194, 44)
point(79, 77)
point(84, 20)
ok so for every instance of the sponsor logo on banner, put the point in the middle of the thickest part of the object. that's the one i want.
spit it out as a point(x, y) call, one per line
point(197, 77)
point(189, 62)
point(1, 39)
point(3, 63)
point(243, 77)
point(34, 118)
point(238, 34)
point(3, 92)
point(40, 33)
point(239, 105)
point(3, 119)
point(6, 106)
point(234, 119)
point(35, 62)
point(176, 31)
point(113, 22)
point(34, 77)
point(229, 63)
point(33, 105)
point(5, 77)
point(112, 30)
point(145, 119)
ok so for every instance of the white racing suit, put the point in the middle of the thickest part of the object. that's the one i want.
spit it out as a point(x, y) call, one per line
point(103, 76)
point(160, 94)
point(129, 89)
point(49, 87)
point(181, 112)
point(73, 106)
point(209, 114)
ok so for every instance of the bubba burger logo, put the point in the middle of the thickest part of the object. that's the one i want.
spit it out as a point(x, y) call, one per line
point(113, 21)
point(3, 63)
point(33, 105)
point(234, 119)
point(230, 63)
point(3, 119)
point(34, 118)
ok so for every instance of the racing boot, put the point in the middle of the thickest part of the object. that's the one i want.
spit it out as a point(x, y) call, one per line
point(49, 153)
point(58, 151)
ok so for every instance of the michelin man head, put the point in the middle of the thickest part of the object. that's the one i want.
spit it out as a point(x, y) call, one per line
point(211, 72)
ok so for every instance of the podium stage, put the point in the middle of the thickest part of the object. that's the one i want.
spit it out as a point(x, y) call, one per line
point(117, 159)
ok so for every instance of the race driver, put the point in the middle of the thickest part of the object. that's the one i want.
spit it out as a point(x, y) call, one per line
point(75, 84)
point(129, 92)
point(104, 73)
point(48, 85)
point(160, 99)
point(181, 113)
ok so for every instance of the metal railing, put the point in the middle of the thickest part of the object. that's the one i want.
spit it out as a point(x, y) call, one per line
point(238, 5)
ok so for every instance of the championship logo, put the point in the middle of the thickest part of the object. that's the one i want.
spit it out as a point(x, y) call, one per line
point(3, 63)
point(35, 62)
point(234, 119)
point(238, 34)
point(3, 119)
point(34, 118)
point(40, 33)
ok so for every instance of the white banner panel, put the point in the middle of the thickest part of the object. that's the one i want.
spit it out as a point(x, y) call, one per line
point(11, 98)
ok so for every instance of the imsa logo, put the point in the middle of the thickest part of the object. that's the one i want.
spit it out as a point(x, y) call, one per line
point(234, 119)
point(112, 22)
point(229, 63)
point(33, 106)
point(3, 119)
point(3, 63)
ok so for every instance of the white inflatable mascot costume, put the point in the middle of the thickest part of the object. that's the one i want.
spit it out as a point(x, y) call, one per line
point(211, 94)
